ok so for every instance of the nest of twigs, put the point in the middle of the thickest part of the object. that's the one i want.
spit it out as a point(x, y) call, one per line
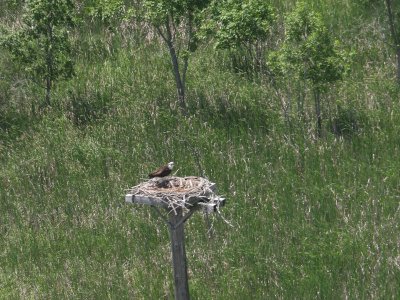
point(176, 192)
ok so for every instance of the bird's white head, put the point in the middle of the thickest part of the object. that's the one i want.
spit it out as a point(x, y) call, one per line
point(171, 165)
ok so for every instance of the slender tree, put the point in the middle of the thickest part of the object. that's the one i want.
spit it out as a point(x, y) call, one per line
point(243, 27)
point(177, 22)
point(42, 45)
point(310, 53)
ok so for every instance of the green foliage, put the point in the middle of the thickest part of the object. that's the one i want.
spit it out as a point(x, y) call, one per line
point(177, 22)
point(309, 54)
point(10, 9)
point(239, 23)
point(42, 45)
point(243, 29)
point(159, 12)
point(348, 121)
point(178, 13)
point(309, 50)
point(110, 12)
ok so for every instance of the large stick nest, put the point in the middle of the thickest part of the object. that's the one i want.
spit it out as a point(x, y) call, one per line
point(177, 192)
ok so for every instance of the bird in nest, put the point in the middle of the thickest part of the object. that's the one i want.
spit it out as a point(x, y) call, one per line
point(162, 171)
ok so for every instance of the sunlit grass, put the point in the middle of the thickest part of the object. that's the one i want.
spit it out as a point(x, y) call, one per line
point(312, 218)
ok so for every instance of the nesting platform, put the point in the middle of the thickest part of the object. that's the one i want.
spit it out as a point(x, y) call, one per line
point(180, 197)
point(174, 193)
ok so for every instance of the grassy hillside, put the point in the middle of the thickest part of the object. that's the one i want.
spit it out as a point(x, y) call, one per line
point(312, 218)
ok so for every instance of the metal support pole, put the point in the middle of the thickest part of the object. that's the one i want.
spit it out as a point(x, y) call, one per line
point(177, 234)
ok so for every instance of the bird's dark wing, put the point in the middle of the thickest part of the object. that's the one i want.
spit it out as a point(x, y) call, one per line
point(157, 172)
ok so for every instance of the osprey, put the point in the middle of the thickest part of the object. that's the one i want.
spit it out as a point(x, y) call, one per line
point(162, 171)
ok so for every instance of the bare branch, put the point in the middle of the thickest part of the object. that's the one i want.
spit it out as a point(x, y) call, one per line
point(161, 34)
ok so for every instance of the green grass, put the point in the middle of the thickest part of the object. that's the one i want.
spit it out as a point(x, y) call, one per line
point(312, 218)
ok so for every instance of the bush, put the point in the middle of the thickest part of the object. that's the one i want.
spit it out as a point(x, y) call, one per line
point(348, 121)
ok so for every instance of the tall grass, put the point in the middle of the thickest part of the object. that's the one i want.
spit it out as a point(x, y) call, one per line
point(312, 218)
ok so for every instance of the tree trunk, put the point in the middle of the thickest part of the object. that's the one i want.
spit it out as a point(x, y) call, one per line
point(179, 255)
point(47, 101)
point(189, 33)
point(317, 99)
point(180, 84)
point(300, 102)
point(398, 64)
point(49, 65)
